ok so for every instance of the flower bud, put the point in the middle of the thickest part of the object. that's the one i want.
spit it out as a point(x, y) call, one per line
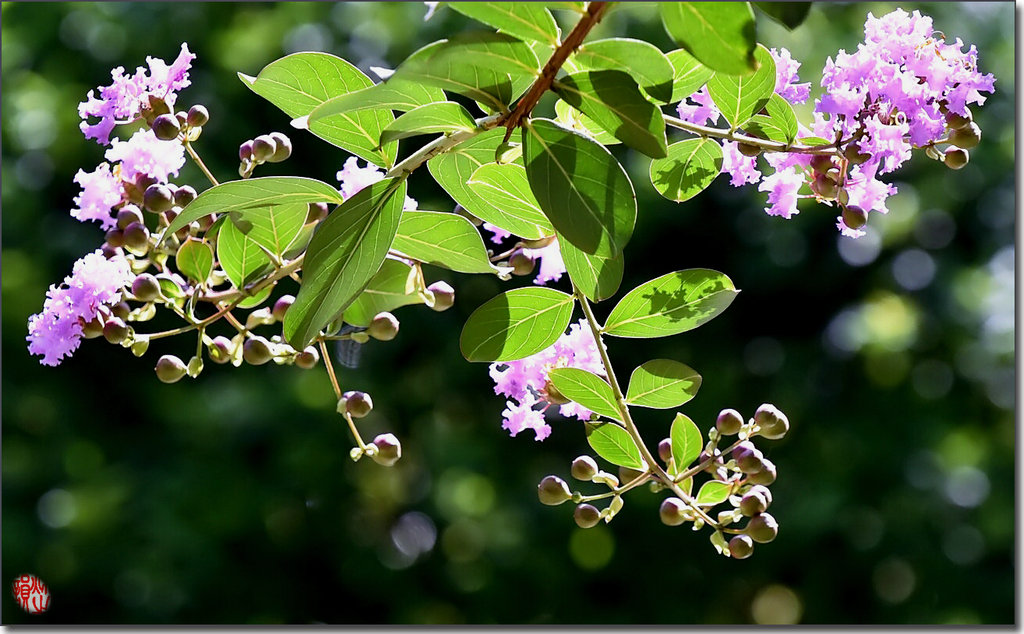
point(282, 147)
point(220, 349)
point(281, 306)
point(762, 528)
point(665, 450)
point(384, 327)
point(115, 330)
point(136, 237)
point(256, 351)
point(553, 490)
point(854, 217)
point(317, 212)
point(821, 163)
point(182, 118)
point(146, 288)
point(121, 309)
point(184, 195)
point(389, 450)
point(627, 475)
point(747, 149)
point(729, 422)
point(583, 468)
point(521, 263)
point(245, 151)
point(157, 106)
point(957, 121)
point(956, 159)
point(854, 155)
point(166, 127)
point(308, 358)
point(741, 547)
point(158, 198)
point(586, 516)
point(773, 423)
point(197, 116)
point(966, 137)
point(444, 295)
point(824, 187)
point(170, 368)
point(92, 329)
point(263, 147)
point(671, 512)
point(753, 502)
point(357, 404)
point(766, 475)
point(747, 457)
point(127, 215)
point(114, 238)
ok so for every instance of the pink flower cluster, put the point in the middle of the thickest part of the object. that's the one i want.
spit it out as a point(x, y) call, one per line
point(353, 178)
point(551, 264)
point(525, 381)
point(94, 282)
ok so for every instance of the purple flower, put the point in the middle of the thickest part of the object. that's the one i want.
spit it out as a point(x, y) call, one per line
point(551, 264)
point(742, 168)
point(786, 77)
point(101, 191)
point(705, 109)
point(497, 233)
point(94, 282)
point(525, 381)
point(123, 100)
point(782, 187)
point(144, 154)
point(354, 178)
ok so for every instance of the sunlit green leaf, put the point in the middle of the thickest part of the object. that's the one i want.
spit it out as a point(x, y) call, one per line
point(778, 125)
point(690, 167)
point(687, 443)
point(516, 324)
point(393, 286)
point(661, 384)
point(713, 492)
point(569, 117)
point(596, 276)
point(587, 389)
point(642, 60)
point(241, 257)
point(443, 116)
point(272, 226)
point(719, 34)
point(741, 97)
point(614, 444)
point(510, 204)
point(195, 260)
point(525, 20)
point(690, 74)
point(671, 304)
point(396, 95)
point(442, 239)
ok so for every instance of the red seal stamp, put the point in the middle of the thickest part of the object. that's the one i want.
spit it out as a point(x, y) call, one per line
point(31, 594)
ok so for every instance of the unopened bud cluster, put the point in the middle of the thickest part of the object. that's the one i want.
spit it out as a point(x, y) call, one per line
point(266, 148)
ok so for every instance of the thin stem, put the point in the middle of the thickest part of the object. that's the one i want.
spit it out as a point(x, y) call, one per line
point(442, 144)
point(694, 470)
point(628, 419)
point(729, 135)
point(231, 295)
point(337, 391)
point(632, 484)
point(199, 162)
point(200, 324)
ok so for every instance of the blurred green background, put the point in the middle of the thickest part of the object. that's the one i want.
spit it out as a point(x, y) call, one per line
point(231, 498)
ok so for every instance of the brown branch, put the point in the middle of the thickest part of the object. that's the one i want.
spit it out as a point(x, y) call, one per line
point(595, 10)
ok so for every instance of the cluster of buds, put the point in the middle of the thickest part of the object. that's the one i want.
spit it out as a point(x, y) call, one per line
point(171, 126)
point(553, 490)
point(266, 148)
point(962, 134)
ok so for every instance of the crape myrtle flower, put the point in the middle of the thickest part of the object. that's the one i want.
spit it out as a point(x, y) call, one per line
point(551, 264)
point(354, 178)
point(145, 155)
point(101, 192)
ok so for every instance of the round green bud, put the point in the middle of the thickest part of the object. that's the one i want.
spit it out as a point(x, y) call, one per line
point(752, 503)
point(166, 127)
point(966, 137)
point(583, 468)
point(384, 327)
point(263, 147)
point(184, 195)
point(553, 490)
point(748, 458)
point(282, 147)
point(220, 349)
point(245, 151)
point(197, 116)
point(521, 263)
point(824, 187)
point(127, 215)
point(115, 330)
point(158, 198)
point(121, 309)
point(773, 423)
point(170, 368)
point(747, 149)
point(146, 288)
point(763, 491)
point(766, 475)
point(586, 515)
point(729, 422)
point(93, 329)
point(357, 404)
point(671, 512)
point(854, 217)
point(256, 351)
point(317, 212)
point(741, 547)
point(114, 238)
point(665, 450)
point(627, 475)
point(281, 306)
point(308, 358)
point(956, 158)
point(444, 295)
point(822, 163)
point(762, 528)
point(843, 197)
point(136, 237)
point(182, 117)
point(389, 450)
point(958, 121)
point(853, 154)
point(157, 106)
point(109, 251)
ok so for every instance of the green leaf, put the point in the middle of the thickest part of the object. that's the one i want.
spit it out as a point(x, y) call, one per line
point(580, 186)
point(613, 100)
point(741, 97)
point(491, 68)
point(241, 257)
point(714, 492)
point(671, 304)
point(569, 117)
point(195, 260)
point(614, 444)
point(442, 239)
point(525, 20)
point(395, 95)
point(587, 389)
point(788, 14)
point(300, 82)
point(393, 286)
point(661, 384)
point(642, 60)
point(253, 193)
point(257, 299)
point(272, 226)
point(511, 204)
point(778, 125)
point(687, 443)
point(812, 141)
point(719, 34)
point(596, 276)
point(690, 167)
point(689, 76)
point(443, 116)
point(344, 255)
point(516, 324)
